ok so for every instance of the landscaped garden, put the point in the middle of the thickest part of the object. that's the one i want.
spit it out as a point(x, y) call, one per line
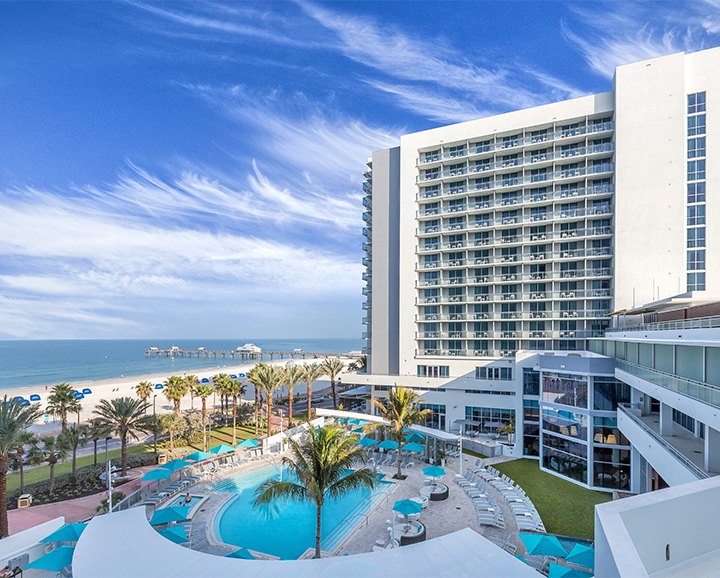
point(565, 508)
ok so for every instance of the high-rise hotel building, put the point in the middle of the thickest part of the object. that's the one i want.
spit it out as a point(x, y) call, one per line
point(499, 249)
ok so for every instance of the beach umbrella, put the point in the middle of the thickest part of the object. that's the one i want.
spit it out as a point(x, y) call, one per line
point(174, 534)
point(388, 445)
point(233, 376)
point(543, 545)
point(582, 555)
point(34, 397)
point(407, 507)
point(167, 515)
point(433, 471)
point(367, 442)
point(175, 465)
point(242, 553)
point(156, 474)
point(248, 444)
point(557, 571)
point(66, 533)
point(197, 456)
point(54, 561)
point(158, 386)
point(415, 437)
point(87, 391)
point(414, 447)
point(78, 395)
point(222, 449)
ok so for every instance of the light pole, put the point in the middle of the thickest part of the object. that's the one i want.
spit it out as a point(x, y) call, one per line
point(460, 447)
point(108, 474)
point(154, 427)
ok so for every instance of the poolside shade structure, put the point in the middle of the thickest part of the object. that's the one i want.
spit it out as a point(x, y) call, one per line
point(66, 533)
point(197, 456)
point(54, 561)
point(543, 545)
point(367, 442)
point(248, 444)
point(521, 558)
point(388, 445)
point(557, 571)
point(175, 465)
point(415, 437)
point(174, 534)
point(157, 474)
point(407, 507)
point(414, 447)
point(434, 471)
point(582, 556)
point(242, 553)
point(222, 449)
point(167, 515)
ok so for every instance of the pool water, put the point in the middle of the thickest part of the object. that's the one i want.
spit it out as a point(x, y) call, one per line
point(287, 529)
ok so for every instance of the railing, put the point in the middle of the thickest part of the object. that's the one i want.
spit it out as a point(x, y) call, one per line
point(533, 198)
point(698, 390)
point(697, 323)
point(514, 181)
point(699, 472)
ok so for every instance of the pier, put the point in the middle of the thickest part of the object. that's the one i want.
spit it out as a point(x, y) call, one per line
point(244, 355)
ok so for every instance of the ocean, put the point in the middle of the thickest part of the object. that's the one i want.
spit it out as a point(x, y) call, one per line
point(40, 363)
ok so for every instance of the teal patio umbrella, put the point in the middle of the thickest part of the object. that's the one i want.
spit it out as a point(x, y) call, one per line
point(543, 545)
point(354, 421)
point(222, 449)
point(156, 474)
point(175, 465)
point(167, 515)
point(582, 556)
point(174, 534)
point(367, 442)
point(415, 437)
point(414, 447)
point(434, 471)
point(197, 456)
point(242, 553)
point(248, 444)
point(557, 571)
point(54, 561)
point(388, 445)
point(407, 507)
point(66, 533)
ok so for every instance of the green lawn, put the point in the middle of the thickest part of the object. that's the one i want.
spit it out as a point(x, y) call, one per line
point(564, 507)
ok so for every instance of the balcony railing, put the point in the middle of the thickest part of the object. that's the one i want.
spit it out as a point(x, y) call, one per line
point(698, 323)
point(685, 461)
point(534, 198)
point(518, 180)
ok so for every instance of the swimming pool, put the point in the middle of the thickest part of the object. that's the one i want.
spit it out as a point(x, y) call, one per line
point(287, 529)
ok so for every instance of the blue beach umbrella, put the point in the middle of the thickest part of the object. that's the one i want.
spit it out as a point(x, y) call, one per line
point(433, 471)
point(197, 456)
point(66, 533)
point(78, 395)
point(167, 515)
point(87, 391)
point(175, 465)
point(557, 571)
point(354, 421)
point(407, 507)
point(388, 445)
point(242, 553)
point(367, 442)
point(415, 437)
point(582, 555)
point(54, 561)
point(543, 545)
point(248, 444)
point(222, 449)
point(174, 534)
point(205, 380)
point(156, 474)
point(414, 447)
point(158, 386)
point(34, 397)
point(233, 376)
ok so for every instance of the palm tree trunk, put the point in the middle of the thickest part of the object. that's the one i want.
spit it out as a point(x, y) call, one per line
point(332, 386)
point(309, 394)
point(318, 527)
point(123, 453)
point(95, 451)
point(234, 419)
point(177, 407)
point(52, 477)
point(256, 410)
point(22, 477)
point(171, 438)
point(399, 472)
point(204, 415)
point(270, 406)
point(4, 466)
point(290, 400)
point(73, 477)
point(191, 399)
point(146, 403)
point(64, 420)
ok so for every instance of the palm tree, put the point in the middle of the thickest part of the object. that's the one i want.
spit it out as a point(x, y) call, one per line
point(14, 421)
point(73, 437)
point(175, 389)
point(311, 373)
point(144, 389)
point(125, 417)
point(270, 378)
point(203, 391)
point(96, 432)
point(192, 382)
point(171, 422)
point(53, 451)
point(293, 375)
point(61, 401)
point(320, 464)
point(401, 409)
point(252, 377)
point(333, 367)
point(18, 455)
point(237, 389)
point(224, 390)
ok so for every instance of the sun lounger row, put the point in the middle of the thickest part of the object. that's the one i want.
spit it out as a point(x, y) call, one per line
point(488, 511)
point(526, 515)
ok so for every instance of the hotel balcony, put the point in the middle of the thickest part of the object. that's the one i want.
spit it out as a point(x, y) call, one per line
point(597, 190)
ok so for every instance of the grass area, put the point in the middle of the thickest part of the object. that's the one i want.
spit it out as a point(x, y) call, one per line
point(564, 507)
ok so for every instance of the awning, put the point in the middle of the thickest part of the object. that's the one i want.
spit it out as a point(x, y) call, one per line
point(54, 561)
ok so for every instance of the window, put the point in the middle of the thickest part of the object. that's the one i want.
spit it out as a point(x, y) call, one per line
point(494, 373)
point(695, 260)
point(565, 389)
point(696, 147)
point(696, 170)
point(683, 420)
point(696, 281)
point(695, 215)
point(433, 370)
point(696, 103)
point(436, 419)
point(696, 125)
point(696, 237)
point(531, 383)
point(696, 193)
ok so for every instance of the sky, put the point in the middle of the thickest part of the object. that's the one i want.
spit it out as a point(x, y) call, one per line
point(194, 170)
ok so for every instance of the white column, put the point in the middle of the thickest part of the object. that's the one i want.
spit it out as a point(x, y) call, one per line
point(712, 449)
point(666, 422)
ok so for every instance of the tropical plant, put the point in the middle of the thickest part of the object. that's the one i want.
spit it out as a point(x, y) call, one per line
point(203, 391)
point(362, 362)
point(333, 367)
point(20, 456)
point(72, 438)
point(52, 451)
point(223, 386)
point(144, 389)
point(293, 376)
point(269, 378)
point(125, 417)
point(320, 465)
point(171, 422)
point(192, 382)
point(175, 389)
point(237, 389)
point(155, 428)
point(311, 373)
point(61, 401)
point(14, 421)
point(401, 409)
point(97, 430)
point(104, 506)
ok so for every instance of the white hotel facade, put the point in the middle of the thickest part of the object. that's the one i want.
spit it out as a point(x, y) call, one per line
point(514, 262)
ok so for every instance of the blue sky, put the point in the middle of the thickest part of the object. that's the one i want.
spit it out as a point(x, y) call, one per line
point(195, 169)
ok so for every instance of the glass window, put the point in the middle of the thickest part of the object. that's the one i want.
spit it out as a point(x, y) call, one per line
point(531, 381)
point(696, 170)
point(605, 431)
point(696, 147)
point(608, 394)
point(565, 457)
point(436, 419)
point(695, 260)
point(531, 410)
point(566, 423)
point(487, 419)
point(696, 237)
point(696, 193)
point(695, 215)
point(565, 389)
point(696, 282)
point(696, 103)
point(696, 125)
